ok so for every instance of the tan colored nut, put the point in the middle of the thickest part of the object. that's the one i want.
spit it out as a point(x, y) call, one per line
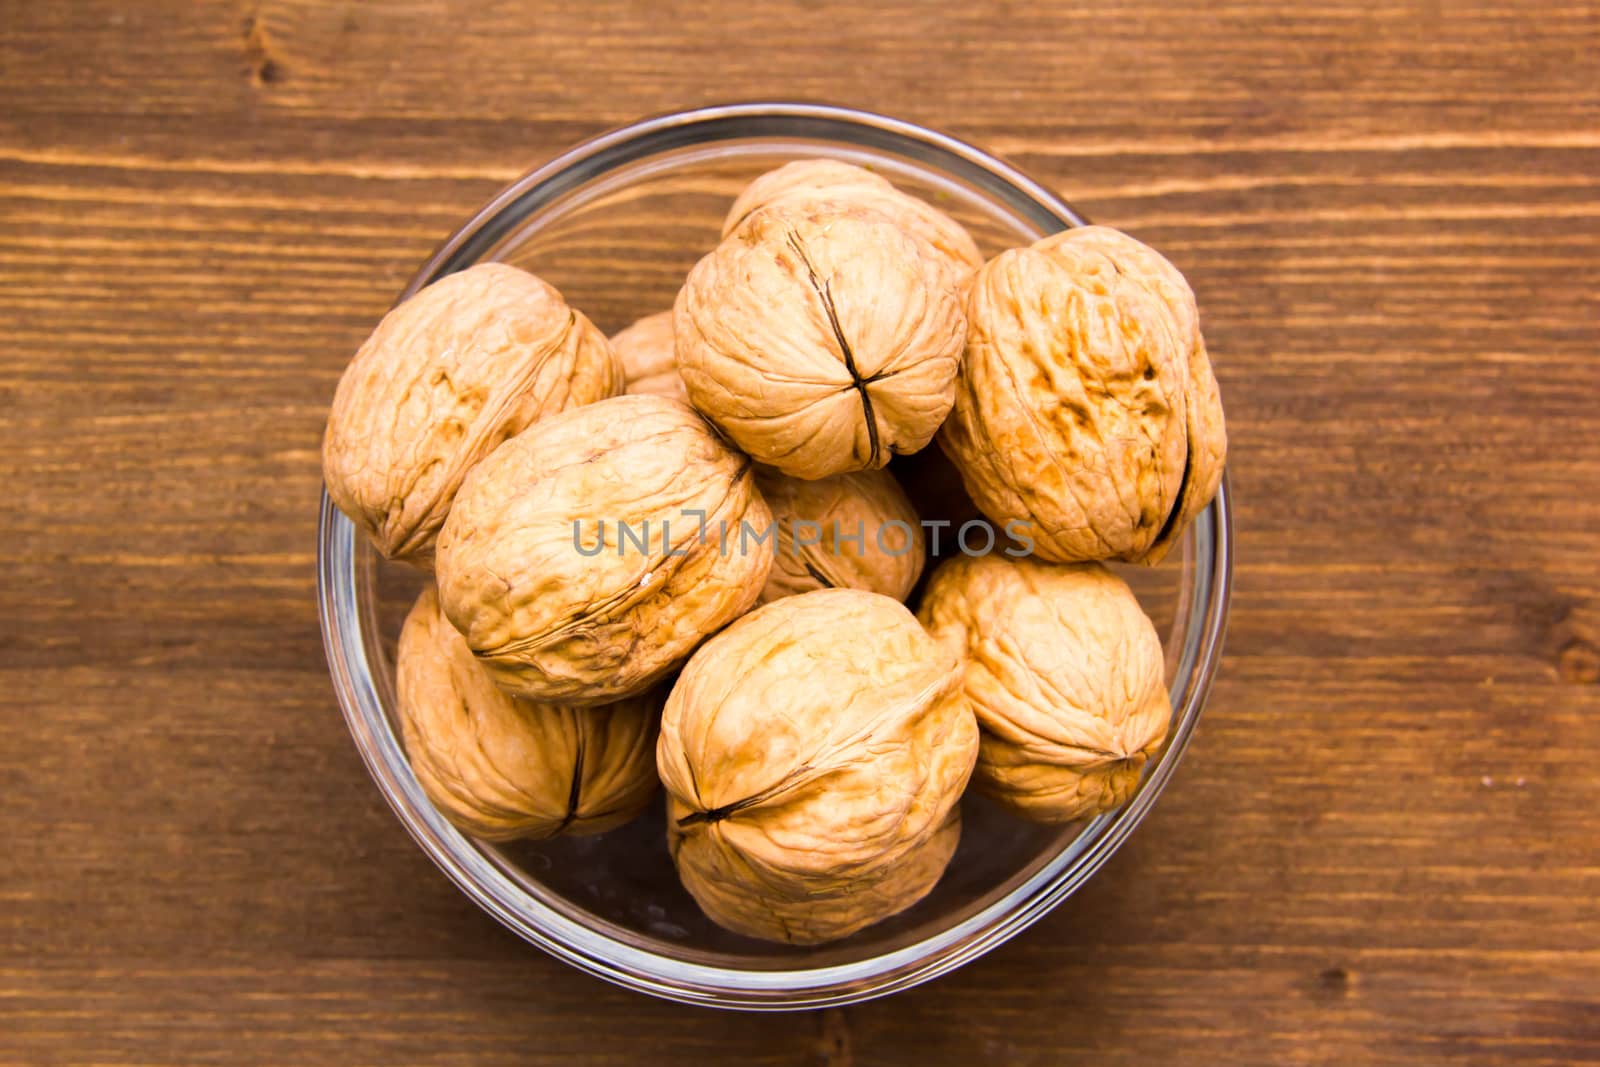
point(821, 341)
point(805, 181)
point(501, 768)
point(850, 531)
point(1065, 673)
point(471, 360)
point(730, 890)
point(649, 366)
point(914, 875)
point(805, 777)
point(1204, 423)
point(1086, 407)
point(584, 559)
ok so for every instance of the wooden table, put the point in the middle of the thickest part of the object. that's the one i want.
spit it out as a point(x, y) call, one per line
point(1382, 846)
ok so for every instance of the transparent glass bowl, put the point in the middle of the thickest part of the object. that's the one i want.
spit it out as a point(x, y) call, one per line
point(615, 224)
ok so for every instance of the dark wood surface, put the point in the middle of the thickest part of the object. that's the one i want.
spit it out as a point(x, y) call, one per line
point(1382, 846)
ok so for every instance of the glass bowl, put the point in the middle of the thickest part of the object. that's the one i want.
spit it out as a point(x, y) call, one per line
point(615, 224)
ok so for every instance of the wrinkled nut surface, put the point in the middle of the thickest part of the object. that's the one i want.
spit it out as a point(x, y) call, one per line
point(1086, 406)
point(913, 875)
point(469, 361)
point(804, 778)
point(820, 341)
point(649, 367)
point(850, 531)
point(583, 559)
point(1065, 673)
point(809, 180)
point(501, 768)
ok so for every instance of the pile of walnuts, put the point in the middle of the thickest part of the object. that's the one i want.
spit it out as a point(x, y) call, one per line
point(676, 557)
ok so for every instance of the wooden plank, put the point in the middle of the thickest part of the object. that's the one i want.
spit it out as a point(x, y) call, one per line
point(1381, 846)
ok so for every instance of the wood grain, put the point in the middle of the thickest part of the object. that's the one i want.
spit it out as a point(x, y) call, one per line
point(1382, 846)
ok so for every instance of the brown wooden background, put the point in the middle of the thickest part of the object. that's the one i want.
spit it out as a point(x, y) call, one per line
point(1383, 845)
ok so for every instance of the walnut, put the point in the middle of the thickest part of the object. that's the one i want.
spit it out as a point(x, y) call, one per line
point(1086, 407)
point(806, 181)
point(648, 363)
point(911, 878)
point(500, 768)
point(469, 361)
point(820, 340)
point(854, 531)
point(806, 780)
point(585, 558)
point(1065, 673)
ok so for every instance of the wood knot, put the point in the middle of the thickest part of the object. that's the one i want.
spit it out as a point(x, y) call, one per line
point(833, 1039)
point(265, 68)
point(1579, 662)
point(1335, 981)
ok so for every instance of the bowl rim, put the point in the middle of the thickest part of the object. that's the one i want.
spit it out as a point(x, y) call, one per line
point(348, 633)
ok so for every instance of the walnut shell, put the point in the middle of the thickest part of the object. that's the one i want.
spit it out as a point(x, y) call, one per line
point(851, 531)
point(820, 340)
point(471, 360)
point(806, 181)
point(911, 878)
point(1065, 673)
point(584, 558)
point(1086, 406)
point(501, 768)
point(649, 366)
point(802, 776)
